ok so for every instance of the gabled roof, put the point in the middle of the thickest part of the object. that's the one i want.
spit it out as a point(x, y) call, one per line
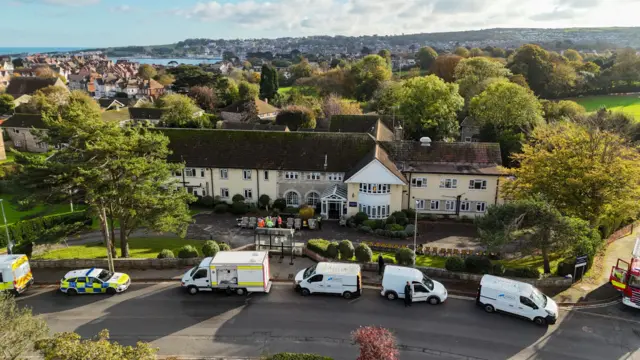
point(24, 121)
point(379, 154)
point(445, 158)
point(146, 113)
point(105, 103)
point(19, 86)
point(469, 122)
point(263, 107)
point(302, 151)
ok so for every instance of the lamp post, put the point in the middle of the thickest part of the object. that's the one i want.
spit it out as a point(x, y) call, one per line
point(415, 225)
point(6, 229)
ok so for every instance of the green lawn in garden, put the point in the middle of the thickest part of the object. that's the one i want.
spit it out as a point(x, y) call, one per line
point(534, 261)
point(138, 248)
point(116, 115)
point(10, 158)
point(629, 104)
point(14, 215)
point(284, 90)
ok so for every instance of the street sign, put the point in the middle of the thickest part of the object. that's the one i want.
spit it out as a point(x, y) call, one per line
point(353, 204)
point(582, 260)
point(581, 263)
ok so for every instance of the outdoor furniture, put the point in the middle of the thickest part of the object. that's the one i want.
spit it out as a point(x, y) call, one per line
point(312, 224)
point(290, 223)
point(253, 222)
point(244, 222)
point(343, 221)
point(298, 224)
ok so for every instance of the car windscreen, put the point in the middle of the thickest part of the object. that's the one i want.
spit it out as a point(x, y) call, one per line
point(427, 282)
point(309, 272)
point(193, 271)
point(634, 281)
point(105, 275)
point(538, 297)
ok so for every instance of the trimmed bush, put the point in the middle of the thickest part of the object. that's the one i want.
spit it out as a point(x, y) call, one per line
point(394, 227)
point(405, 256)
point(333, 250)
point(360, 217)
point(399, 234)
point(365, 229)
point(454, 263)
point(318, 246)
point(224, 246)
point(401, 218)
point(206, 201)
point(498, 269)
point(295, 356)
point(478, 264)
point(306, 212)
point(363, 253)
point(239, 208)
point(280, 204)
point(391, 220)
point(210, 248)
point(373, 224)
point(166, 254)
point(264, 200)
point(379, 232)
point(523, 272)
point(411, 214)
point(346, 250)
point(237, 198)
point(410, 229)
point(221, 208)
point(187, 251)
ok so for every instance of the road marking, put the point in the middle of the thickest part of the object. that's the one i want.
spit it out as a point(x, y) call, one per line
point(612, 317)
point(354, 300)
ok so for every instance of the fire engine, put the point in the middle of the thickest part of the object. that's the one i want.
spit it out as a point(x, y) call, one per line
point(625, 277)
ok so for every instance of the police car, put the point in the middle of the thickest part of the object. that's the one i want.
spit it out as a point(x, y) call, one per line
point(94, 281)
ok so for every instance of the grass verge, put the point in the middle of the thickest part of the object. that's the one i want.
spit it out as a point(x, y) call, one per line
point(629, 104)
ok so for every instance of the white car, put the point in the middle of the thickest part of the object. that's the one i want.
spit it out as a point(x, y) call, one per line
point(395, 279)
point(94, 281)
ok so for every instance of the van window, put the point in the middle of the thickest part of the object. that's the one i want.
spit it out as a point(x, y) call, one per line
point(538, 297)
point(81, 280)
point(420, 288)
point(193, 271)
point(316, 278)
point(528, 302)
point(427, 282)
point(202, 273)
point(309, 271)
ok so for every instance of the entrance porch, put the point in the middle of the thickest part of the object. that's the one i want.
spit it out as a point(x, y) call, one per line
point(334, 202)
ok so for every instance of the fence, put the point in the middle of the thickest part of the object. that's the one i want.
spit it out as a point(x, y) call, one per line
point(620, 233)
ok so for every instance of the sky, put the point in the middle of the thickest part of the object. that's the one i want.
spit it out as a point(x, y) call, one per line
point(103, 23)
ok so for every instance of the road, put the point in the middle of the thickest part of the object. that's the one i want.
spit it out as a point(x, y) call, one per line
point(218, 325)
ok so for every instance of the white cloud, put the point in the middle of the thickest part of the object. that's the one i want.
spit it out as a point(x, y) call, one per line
point(121, 9)
point(356, 17)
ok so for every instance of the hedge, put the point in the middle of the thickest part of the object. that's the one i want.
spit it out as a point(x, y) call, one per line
point(346, 249)
point(318, 246)
point(478, 264)
point(166, 254)
point(364, 253)
point(187, 251)
point(295, 356)
point(46, 229)
point(210, 248)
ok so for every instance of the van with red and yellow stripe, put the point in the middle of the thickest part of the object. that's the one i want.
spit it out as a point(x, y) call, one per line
point(15, 273)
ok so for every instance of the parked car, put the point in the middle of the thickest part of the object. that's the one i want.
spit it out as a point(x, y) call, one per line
point(395, 278)
point(94, 281)
point(15, 273)
point(330, 278)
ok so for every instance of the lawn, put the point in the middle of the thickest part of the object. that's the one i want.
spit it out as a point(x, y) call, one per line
point(10, 158)
point(116, 115)
point(138, 248)
point(629, 104)
point(13, 214)
point(284, 90)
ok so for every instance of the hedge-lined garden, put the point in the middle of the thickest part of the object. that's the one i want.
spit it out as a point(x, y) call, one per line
point(46, 229)
point(397, 225)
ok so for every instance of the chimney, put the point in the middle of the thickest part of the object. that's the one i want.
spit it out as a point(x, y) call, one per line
point(425, 141)
point(398, 133)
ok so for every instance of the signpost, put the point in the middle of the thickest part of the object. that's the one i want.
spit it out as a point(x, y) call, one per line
point(581, 263)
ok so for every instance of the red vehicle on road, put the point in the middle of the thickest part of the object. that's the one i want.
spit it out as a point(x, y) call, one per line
point(625, 277)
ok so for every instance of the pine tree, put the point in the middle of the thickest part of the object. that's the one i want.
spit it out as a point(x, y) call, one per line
point(268, 82)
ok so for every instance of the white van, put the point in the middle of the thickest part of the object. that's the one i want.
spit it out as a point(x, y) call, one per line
point(395, 279)
point(517, 298)
point(232, 271)
point(15, 273)
point(330, 278)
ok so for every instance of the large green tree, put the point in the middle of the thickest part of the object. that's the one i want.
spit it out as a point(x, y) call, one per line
point(445, 67)
point(187, 76)
point(368, 74)
point(179, 111)
point(147, 71)
point(534, 63)
point(268, 82)
point(426, 56)
point(472, 75)
point(562, 110)
point(386, 99)
point(429, 106)
point(247, 91)
point(20, 329)
point(461, 51)
point(6, 103)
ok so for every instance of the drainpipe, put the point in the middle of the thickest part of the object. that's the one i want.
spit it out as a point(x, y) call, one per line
point(258, 185)
point(409, 197)
point(213, 188)
point(497, 191)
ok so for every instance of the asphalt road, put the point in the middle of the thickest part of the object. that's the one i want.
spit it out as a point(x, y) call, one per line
point(220, 325)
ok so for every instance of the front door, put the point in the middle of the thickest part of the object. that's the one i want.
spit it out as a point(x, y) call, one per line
point(420, 292)
point(200, 278)
point(334, 210)
point(527, 308)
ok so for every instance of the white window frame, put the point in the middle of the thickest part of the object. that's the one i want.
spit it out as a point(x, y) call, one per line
point(467, 139)
point(375, 188)
point(449, 183)
point(291, 175)
point(286, 198)
point(473, 182)
point(450, 205)
point(246, 174)
point(481, 206)
point(266, 175)
point(189, 172)
point(202, 171)
point(316, 198)
point(436, 203)
point(465, 206)
point(334, 177)
point(248, 194)
point(419, 182)
point(224, 174)
point(421, 204)
point(224, 193)
point(313, 176)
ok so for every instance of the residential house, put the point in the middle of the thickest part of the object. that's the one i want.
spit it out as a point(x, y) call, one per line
point(20, 129)
point(6, 72)
point(78, 82)
point(153, 115)
point(234, 111)
point(106, 87)
point(231, 125)
point(3, 153)
point(20, 86)
point(110, 104)
point(150, 89)
point(469, 130)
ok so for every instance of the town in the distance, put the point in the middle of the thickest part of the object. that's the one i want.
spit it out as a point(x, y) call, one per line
point(468, 195)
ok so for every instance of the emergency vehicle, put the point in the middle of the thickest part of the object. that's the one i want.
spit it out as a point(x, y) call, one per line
point(15, 273)
point(625, 277)
point(94, 281)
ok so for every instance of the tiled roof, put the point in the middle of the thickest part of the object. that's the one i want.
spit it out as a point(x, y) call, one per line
point(234, 125)
point(146, 113)
point(303, 151)
point(359, 123)
point(378, 153)
point(24, 121)
point(29, 85)
point(263, 107)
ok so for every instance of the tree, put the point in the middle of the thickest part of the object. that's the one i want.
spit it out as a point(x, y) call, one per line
point(430, 105)
point(472, 74)
point(301, 69)
point(179, 110)
point(247, 91)
point(205, 97)
point(445, 65)
point(48, 101)
point(71, 346)
point(18, 63)
point(187, 76)
point(296, 117)
point(563, 110)
point(227, 91)
point(534, 225)
point(147, 71)
point(165, 79)
point(519, 79)
point(45, 72)
point(426, 56)
point(461, 51)
point(268, 82)
point(562, 80)
point(498, 52)
point(618, 123)
point(476, 52)
point(386, 55)
point(506, 105)
point(573, 55)
point(334, 105)
point(598, 171)
point(6, 103)
point(368, 74)
point(386, 99)
point(533, 62)
point(20, 329)
point(376, 343)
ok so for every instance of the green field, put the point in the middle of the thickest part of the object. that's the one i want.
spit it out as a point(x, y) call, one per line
point(13, 214)
point(629, 104)
point(284, 90)
point(138, 248)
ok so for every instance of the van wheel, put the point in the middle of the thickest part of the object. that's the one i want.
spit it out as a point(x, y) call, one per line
point(111, 291)
point(433, 300)
point(192, 290)
point(347, 295)
point(241, 292)
point(391, 295)
point(540, 321)
point(489, 308)
point(72, 292)
point(305, 292)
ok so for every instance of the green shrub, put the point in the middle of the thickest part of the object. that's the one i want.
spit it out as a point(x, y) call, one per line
point(498, 269)
point(187, 251)
point(206, 201)
point(237, 198)
point(371, 223)
point(391, 220)
point(523, 272)
point(166, 254)
point(411, 214)
point(410, 229)
point(478, 264)
point(295, 356)
point(405, 256)
point(394, 227)
point(454, 263)
point(280, 204)
point(210, 248)
point(365, 229)
point(239, 208)
point(379, 232)
point(46, 229)
point(401, 218)
point(566, 267)
point(346, 250)
point(318, 246)
point(363, 253)
point(360, 217)
point(291, 210)
point(399, 234)
point(221, 208)
point(264, 200)
point(333, 250)
point(306, 212)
